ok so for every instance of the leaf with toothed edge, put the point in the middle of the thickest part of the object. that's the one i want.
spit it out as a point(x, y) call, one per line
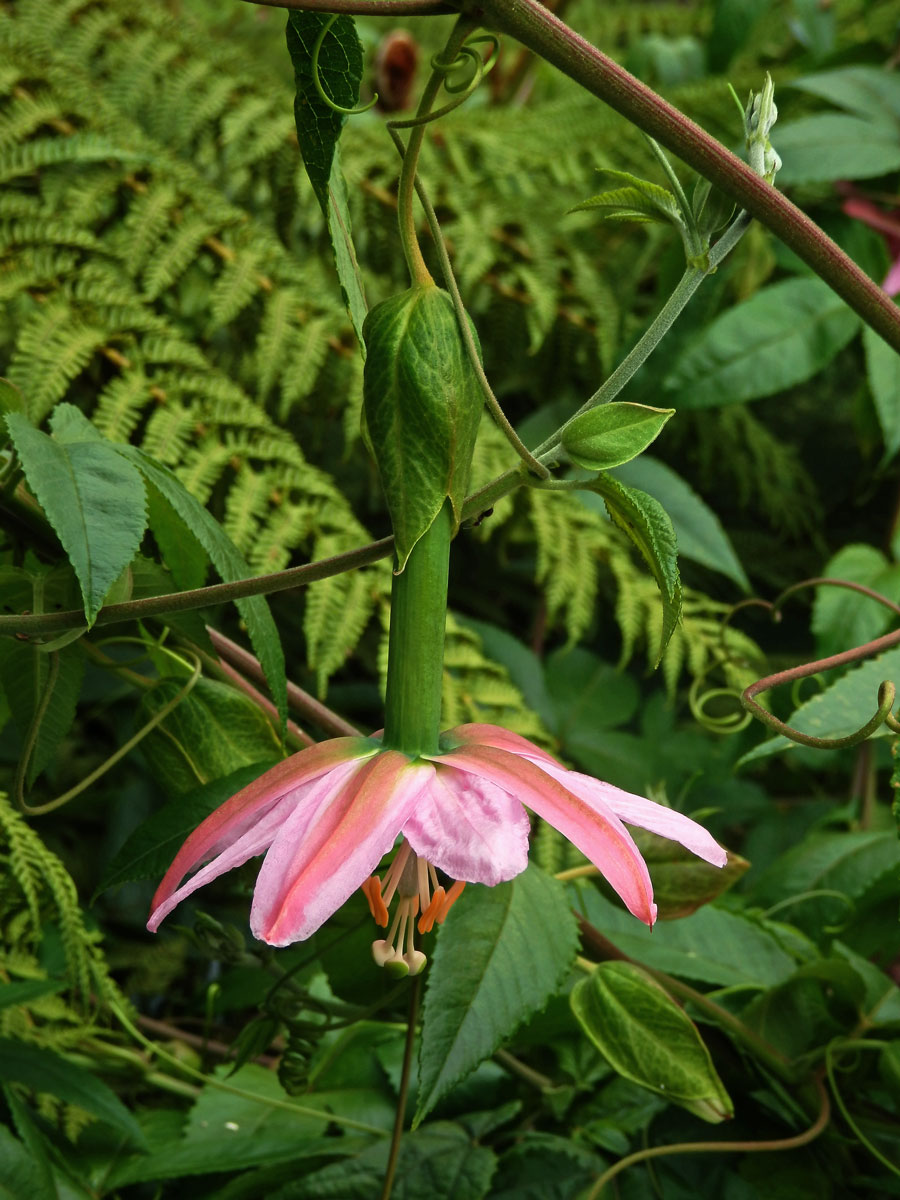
point(500, 956)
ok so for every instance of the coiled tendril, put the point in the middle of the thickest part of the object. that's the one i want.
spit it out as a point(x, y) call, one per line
point(317, 79)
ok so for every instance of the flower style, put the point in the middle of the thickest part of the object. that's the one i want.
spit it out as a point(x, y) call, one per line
point(327, 816)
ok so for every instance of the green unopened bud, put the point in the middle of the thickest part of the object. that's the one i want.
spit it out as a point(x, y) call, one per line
point(421, 408)
point(759, 117)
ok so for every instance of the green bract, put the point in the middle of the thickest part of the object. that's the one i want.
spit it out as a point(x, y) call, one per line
point(421, 407)
point(612, 434)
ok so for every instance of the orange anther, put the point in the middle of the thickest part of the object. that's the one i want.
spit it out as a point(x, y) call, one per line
point(452, 896)
point(372, 891)
point(430, 915)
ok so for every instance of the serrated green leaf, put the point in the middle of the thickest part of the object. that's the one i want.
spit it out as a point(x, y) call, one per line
point(45, 1071)
point(782, 336)
point(838, 711)
point(94, 501)
point(883, 375)
point(648, 1039)
point(439, 1161)
point(612, 434)
point(319, 129)
point(647, 524)
point(637, 199)
point(180, 550)
point(499, 958)
point(422, 407)
point(700, 534)
point(227, 561)
point(212, 732)
point(151, 847)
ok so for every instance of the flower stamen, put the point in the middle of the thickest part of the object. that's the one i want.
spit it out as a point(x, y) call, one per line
point(414, 880)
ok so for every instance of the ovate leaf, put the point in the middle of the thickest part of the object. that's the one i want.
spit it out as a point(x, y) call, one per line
point(699, 531)
point(422, 405)
point(647, 524)
point(648, 1039)
point(93, 499)
point(782, 336)
point(501, 954)
point(319, 128)
point(830, 146)
point(612, 434)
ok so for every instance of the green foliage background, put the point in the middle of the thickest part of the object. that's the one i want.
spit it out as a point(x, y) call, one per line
point(164, 267)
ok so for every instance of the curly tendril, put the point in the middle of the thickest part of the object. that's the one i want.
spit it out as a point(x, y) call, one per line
point(317, 79)
point(461, 90)
point(883, 714)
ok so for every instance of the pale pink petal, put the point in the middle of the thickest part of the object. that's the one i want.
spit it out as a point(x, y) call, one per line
point(593, 828)
point(321, 856)
point(498, 737)
point(892, 280)
point(635, 810)
point(256, 837)
point(470, 829)
point(238, 815)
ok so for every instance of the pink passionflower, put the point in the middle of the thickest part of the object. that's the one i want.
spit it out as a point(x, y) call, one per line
point(328, 815)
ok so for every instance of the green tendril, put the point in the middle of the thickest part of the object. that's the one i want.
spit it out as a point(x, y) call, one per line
point(317, 80)
point(460, 91)
point(728, 722)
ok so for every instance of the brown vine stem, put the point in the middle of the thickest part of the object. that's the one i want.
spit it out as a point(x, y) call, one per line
point(217, 593)
point(311, 708)
point(366, 8)
point(544, 33)
point(790, 1143)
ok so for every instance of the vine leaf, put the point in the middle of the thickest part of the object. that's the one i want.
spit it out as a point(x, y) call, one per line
point(228, 562)
point(648, 1039)
point(647, 524)
point(319, 129)
point(500, 956)
point(93, 499)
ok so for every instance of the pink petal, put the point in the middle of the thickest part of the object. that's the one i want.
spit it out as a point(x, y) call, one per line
point(499, 738)
point(254, 837)
point(324, 852)
point(470, 829)
point(635, 810)
point(892, 280)
point(238, 815)
point(592, 827)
